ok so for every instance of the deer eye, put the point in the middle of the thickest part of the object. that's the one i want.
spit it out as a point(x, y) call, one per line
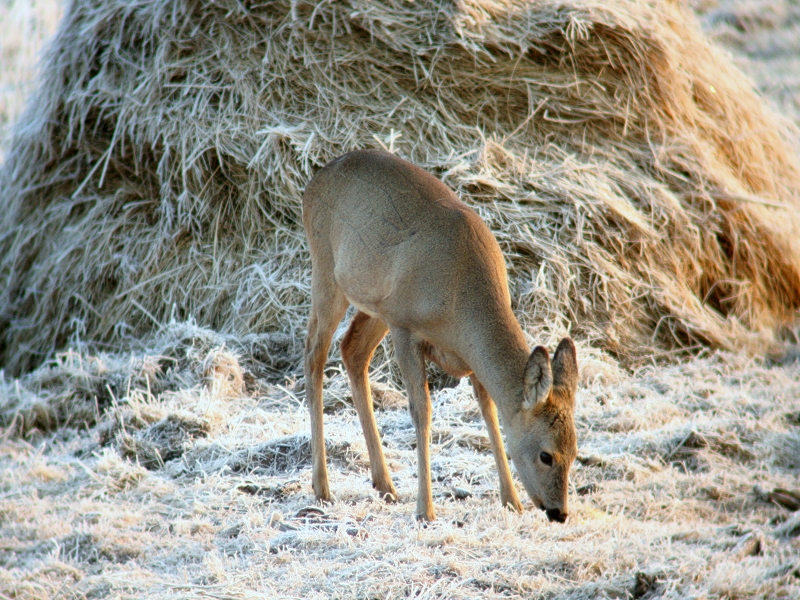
point(546, 459)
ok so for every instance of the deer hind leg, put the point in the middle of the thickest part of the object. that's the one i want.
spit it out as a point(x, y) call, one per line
point(328, 306)
point(410, 357)
point(508, 492)
point(358, 346)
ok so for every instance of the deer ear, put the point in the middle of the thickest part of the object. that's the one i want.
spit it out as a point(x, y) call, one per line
point(565, 368)
point(538, 378)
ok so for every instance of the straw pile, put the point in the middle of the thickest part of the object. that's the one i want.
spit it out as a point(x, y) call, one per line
point(646, 199)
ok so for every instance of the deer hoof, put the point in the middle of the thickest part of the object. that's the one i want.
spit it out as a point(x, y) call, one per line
point(389, 497)
point(387, 492)
point(513, 504)
point(426, 517)
point(322, 494)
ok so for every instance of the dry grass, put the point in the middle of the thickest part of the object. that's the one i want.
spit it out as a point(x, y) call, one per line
point(26, 25)
point(670, 496)
point(645, 197)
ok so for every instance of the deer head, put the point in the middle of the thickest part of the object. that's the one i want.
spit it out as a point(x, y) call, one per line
point(541, 435)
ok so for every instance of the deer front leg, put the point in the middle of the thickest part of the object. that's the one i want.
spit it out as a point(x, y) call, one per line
point(508, 491)
point(358, 346)
point(412, 365)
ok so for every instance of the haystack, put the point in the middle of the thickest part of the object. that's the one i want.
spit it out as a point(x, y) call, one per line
point(645, 197)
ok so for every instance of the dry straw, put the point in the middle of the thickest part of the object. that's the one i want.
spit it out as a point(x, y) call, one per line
point(644, 196)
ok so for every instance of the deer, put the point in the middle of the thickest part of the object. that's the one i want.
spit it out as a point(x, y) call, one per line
point(395, 242)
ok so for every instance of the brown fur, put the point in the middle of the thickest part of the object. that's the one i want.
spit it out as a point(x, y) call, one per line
point(391, 239)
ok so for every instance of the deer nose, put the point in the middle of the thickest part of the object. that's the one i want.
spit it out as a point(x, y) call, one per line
point(555, 514)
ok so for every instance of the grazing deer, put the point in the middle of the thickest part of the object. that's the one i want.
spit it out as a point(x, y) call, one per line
point(395, 242)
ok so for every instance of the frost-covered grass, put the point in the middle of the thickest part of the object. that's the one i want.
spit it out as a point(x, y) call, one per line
point(670, 495)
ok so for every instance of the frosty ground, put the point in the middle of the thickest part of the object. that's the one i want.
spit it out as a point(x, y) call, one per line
point(197, 484)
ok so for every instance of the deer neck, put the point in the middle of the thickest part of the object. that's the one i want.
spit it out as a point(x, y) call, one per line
point(497, 354)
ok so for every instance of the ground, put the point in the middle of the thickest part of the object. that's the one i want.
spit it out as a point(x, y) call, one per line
point(180, 469)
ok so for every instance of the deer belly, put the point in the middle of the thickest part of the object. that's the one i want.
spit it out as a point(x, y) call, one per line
point(450, 362)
